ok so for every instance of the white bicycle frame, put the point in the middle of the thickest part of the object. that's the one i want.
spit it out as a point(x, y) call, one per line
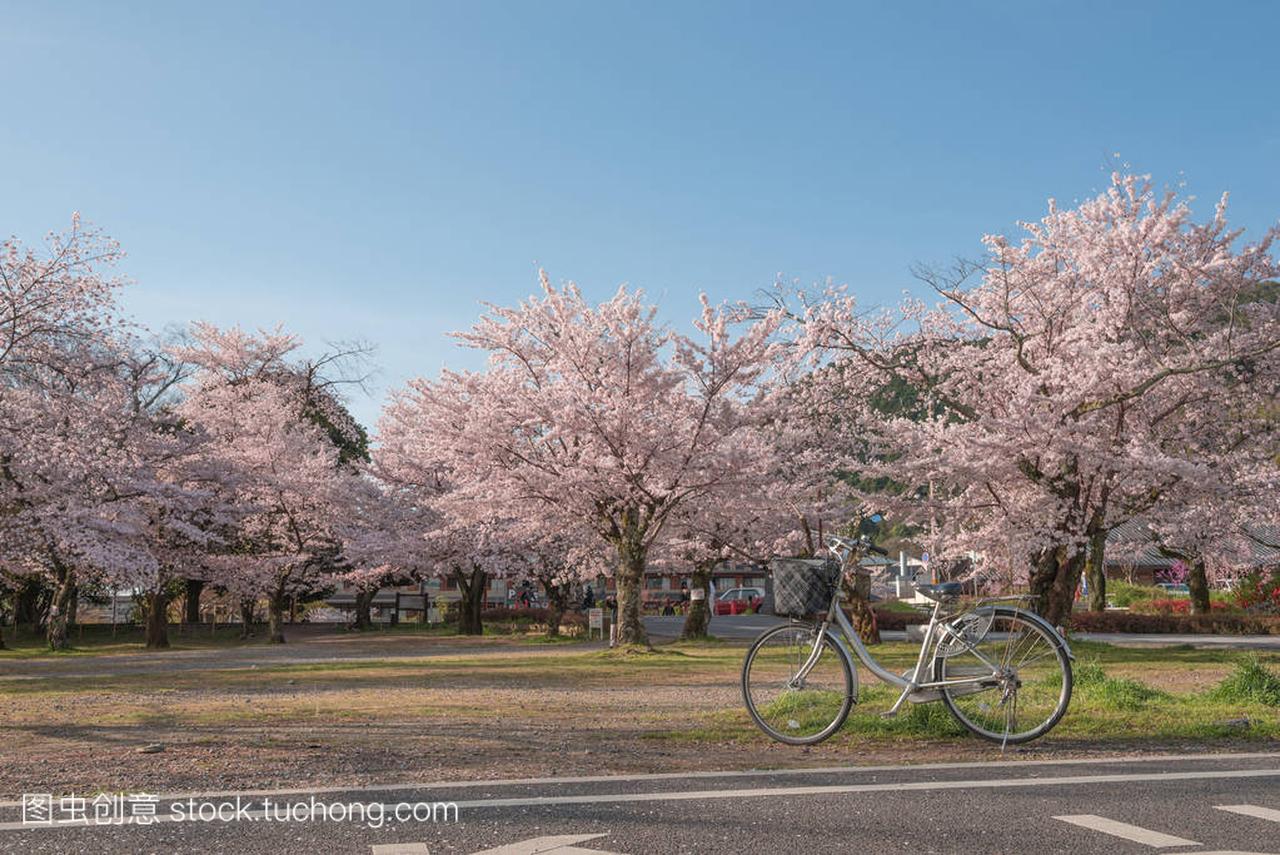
point(915, 687)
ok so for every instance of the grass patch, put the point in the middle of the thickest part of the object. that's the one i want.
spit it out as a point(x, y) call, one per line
point(1250, 683)
point(1117, 693)
point(553, 639)
point(632, 651)
point(99, 640)
point(915, 721)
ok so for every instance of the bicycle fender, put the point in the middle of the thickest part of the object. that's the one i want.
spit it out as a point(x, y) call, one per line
point(1044, 624)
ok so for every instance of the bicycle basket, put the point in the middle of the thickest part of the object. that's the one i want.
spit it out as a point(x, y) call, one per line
point(959, 635)
point(803, 586)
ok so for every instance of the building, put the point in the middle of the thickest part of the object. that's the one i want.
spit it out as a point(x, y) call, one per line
point(1134, 555)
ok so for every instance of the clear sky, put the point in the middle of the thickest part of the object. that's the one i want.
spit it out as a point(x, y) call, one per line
point(374, 170)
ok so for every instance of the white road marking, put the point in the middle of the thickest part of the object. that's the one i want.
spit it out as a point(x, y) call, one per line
point(711, 775)
point(400, 849)
point(776, 792)
point(840, 789)
point(557, 844)
point(1136, 833)
point(1252, 810)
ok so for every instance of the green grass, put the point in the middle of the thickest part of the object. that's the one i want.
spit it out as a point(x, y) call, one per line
point(99, 640)
point(898, 606)
point(1250, 683)
point(1104, 709)
point(1091, 684)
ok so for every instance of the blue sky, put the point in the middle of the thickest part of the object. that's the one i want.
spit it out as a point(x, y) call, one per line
point(374, 170)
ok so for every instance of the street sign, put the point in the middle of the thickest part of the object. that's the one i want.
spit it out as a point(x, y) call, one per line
point(595, 619)
point(697, 594)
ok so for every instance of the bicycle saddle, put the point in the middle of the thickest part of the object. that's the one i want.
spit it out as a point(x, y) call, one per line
point(940, 591)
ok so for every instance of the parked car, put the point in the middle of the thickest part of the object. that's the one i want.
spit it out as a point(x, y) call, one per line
point(735, 601)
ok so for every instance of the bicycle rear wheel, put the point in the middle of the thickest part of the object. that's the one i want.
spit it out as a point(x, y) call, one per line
point(1027, 683)
point(787, 702)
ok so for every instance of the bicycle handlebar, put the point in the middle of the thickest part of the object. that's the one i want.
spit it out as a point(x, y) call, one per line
point(850, 543)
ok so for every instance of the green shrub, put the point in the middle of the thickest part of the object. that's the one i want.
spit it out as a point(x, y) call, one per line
point(1118, 693)
point(1250, 682)
point(1124, 594)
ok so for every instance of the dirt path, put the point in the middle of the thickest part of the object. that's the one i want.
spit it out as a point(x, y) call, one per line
point(316, 648)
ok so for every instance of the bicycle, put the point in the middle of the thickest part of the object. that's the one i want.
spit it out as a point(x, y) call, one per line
point(996, 667)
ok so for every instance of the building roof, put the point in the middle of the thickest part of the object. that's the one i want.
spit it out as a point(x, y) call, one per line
point(1134, 544)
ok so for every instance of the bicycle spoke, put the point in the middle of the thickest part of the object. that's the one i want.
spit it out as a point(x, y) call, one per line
point(792, 703)
point(1029, 687)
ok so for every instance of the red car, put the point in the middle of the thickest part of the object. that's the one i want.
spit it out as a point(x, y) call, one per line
point(735, 601)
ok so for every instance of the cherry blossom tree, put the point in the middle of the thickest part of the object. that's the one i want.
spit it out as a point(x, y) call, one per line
point(270, 422)
point(1053, 374)
point(1227, 439)
point(593, 415)
point(63, 412)
point(441, 530)
point(778, 502)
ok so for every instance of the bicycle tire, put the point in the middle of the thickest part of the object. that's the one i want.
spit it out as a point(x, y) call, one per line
point(1055, 648)
point(847, 690)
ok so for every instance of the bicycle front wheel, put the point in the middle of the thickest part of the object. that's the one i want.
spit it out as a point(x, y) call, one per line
point(1014, 682)
point(790, 702)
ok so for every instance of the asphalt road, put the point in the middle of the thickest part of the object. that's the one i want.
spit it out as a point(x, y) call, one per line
point(1197, 804)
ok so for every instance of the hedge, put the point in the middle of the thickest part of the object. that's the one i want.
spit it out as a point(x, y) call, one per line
point(1210, 624)
point(1216, 623)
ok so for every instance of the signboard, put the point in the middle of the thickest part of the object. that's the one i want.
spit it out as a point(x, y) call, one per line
point(697, 594)
point(433, 614)
point(595, 619)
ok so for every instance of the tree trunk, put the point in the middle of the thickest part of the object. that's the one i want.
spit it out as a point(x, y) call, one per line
point(63, 590)
point(1198, 585)
point(247, 607)
point(630, 580)
point(57, 622)
point(471, 585)
point(1055, 573)
point(363, 610)
point(1097, 571)
point(157, 619)
point(698, 617)
point(275, 615)
point(191, 613)
point(861, 615)
point(73, 606)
